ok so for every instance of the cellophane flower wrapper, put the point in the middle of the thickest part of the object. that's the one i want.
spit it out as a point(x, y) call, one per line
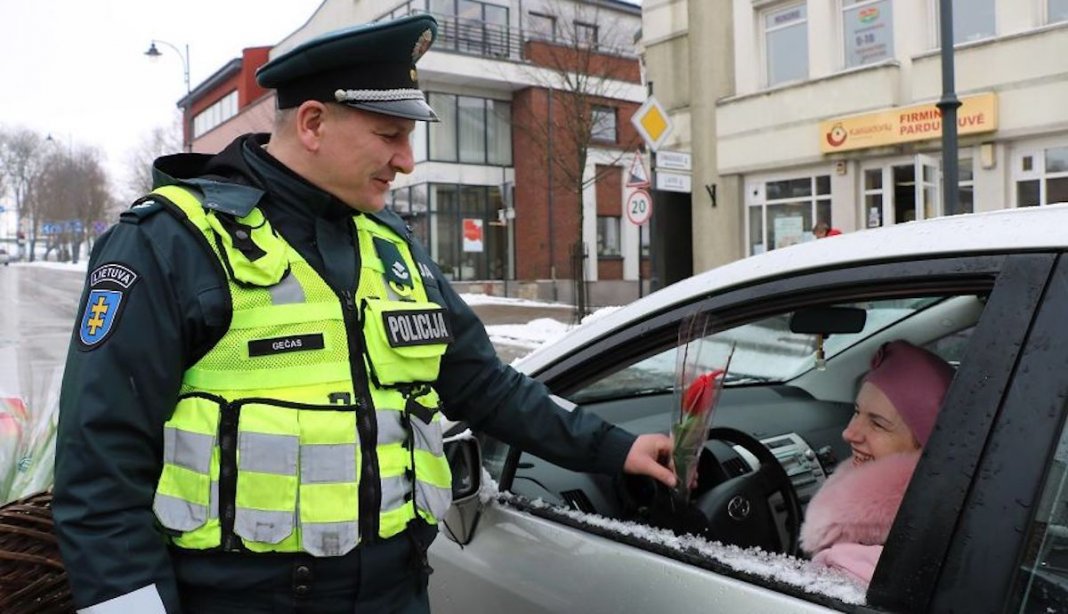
point(28, 441)
point(699, 379)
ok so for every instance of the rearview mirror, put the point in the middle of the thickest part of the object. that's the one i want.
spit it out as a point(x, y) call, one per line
point(828, 320)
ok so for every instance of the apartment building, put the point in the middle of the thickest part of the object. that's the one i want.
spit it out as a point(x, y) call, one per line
point(503, 189)
point(824, 110)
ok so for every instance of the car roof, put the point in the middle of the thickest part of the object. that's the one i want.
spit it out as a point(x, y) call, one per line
point(1004, 230)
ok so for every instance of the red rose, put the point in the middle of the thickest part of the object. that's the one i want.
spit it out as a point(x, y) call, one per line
point(700, 393)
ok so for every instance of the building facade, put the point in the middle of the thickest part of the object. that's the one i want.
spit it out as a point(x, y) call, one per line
point(535, 99)
point(823, 110)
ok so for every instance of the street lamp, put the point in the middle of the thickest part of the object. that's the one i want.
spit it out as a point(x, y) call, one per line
point(153, 53)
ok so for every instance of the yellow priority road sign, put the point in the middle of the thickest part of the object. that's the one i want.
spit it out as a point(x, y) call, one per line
point(652, 122)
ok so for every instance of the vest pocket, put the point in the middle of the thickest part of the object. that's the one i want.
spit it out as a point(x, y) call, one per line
point(186, 494)
point(405, 340)
point(268, 443)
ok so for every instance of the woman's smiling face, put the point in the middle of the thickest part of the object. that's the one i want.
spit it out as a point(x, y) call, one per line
point(877, 429)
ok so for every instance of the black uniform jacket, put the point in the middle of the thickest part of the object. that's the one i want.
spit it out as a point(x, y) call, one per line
point(118, 391)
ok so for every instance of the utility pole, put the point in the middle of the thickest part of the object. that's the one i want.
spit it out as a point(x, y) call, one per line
point(948, 105)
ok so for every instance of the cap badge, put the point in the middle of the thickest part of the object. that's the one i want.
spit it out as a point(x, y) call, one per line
point(422, 45)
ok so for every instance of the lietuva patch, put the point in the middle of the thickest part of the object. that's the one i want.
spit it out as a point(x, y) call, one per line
point(417, 327)
point(109, 287)
point(280, 345)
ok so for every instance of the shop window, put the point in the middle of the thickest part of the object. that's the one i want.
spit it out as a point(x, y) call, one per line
point(867, 31)
point(965, 186)
point(790, 209)
point(465, 236)
point(1042, 178)
point(608, 243)
point(1056, 11)
point(603, 124)
point(786, 44)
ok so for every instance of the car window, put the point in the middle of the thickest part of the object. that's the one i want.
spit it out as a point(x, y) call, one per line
point(1042, 585)
point(764, 351)
point(776, 393)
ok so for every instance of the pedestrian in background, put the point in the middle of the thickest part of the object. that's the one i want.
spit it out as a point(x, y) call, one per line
point(251, 410)
point(823, 230)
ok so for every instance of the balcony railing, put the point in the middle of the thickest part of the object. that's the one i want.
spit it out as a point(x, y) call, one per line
point(493, 40)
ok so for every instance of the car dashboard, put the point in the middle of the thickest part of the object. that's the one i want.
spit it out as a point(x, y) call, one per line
point(803, 433)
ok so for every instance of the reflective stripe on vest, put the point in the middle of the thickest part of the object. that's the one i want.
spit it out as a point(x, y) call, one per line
point(285, 418)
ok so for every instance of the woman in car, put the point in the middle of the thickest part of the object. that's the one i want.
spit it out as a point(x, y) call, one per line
point(848, 520)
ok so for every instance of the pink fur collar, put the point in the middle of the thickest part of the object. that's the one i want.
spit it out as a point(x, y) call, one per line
point(858, 504)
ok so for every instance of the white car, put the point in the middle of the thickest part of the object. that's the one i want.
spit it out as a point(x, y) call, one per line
point(984, 523)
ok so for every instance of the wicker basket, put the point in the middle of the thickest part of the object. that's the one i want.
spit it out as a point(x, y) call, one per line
point(32, 578)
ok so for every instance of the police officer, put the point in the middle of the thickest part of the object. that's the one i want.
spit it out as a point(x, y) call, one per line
point(251, 410)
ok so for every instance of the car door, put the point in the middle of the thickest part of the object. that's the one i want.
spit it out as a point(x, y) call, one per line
point(528, 556)
point(1005, 551)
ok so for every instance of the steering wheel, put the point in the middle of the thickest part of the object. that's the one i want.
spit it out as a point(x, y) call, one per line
point(737, 510)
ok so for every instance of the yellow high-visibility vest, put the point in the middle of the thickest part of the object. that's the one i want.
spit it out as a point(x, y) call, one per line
point(266, 446)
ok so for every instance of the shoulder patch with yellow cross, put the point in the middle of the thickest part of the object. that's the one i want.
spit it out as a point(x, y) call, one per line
point(109, 286)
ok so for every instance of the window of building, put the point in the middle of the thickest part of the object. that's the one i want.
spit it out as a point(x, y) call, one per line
point(464, 237)
point(585, 34)
point(603, 124)
point(786, 44)
point(972, 20)
point(868, 31)
point(1056, 10)
point(418, 140)
point(222, 110)
point(608, 236)
point(790, 208)
point(471, 130)
point(443, 135)
point(541, 26)
point(1042, 177)
point(966, 186)
point(470, 26)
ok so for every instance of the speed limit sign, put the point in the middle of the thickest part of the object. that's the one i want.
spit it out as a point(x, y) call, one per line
point(639, 207)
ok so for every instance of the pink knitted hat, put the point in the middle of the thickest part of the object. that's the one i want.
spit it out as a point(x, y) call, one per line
point(914, 380)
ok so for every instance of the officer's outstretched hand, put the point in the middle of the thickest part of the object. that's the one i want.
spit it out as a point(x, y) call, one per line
point(651, 455)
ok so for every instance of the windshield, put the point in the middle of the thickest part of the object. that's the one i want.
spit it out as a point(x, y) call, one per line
point(764, 351)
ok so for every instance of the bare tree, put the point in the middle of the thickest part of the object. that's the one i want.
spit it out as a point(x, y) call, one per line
point(73, 198)
point(22, 156)
point(582, 60)
point(160, 142)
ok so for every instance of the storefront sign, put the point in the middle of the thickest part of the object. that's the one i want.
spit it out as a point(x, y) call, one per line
point(977, 114)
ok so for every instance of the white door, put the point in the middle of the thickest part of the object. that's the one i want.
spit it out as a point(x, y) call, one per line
point(928, 187)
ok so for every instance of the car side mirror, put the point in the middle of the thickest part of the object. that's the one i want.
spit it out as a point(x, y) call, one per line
point(465, 460)
point(828, 320)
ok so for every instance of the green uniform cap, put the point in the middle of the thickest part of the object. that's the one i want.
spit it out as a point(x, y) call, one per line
point(369, 67)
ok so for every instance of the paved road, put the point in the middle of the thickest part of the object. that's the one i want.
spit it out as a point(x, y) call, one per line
point(39, 306)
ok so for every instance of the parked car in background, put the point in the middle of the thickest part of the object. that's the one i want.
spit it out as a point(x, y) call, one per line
point(4, 257)
point(984, 523)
